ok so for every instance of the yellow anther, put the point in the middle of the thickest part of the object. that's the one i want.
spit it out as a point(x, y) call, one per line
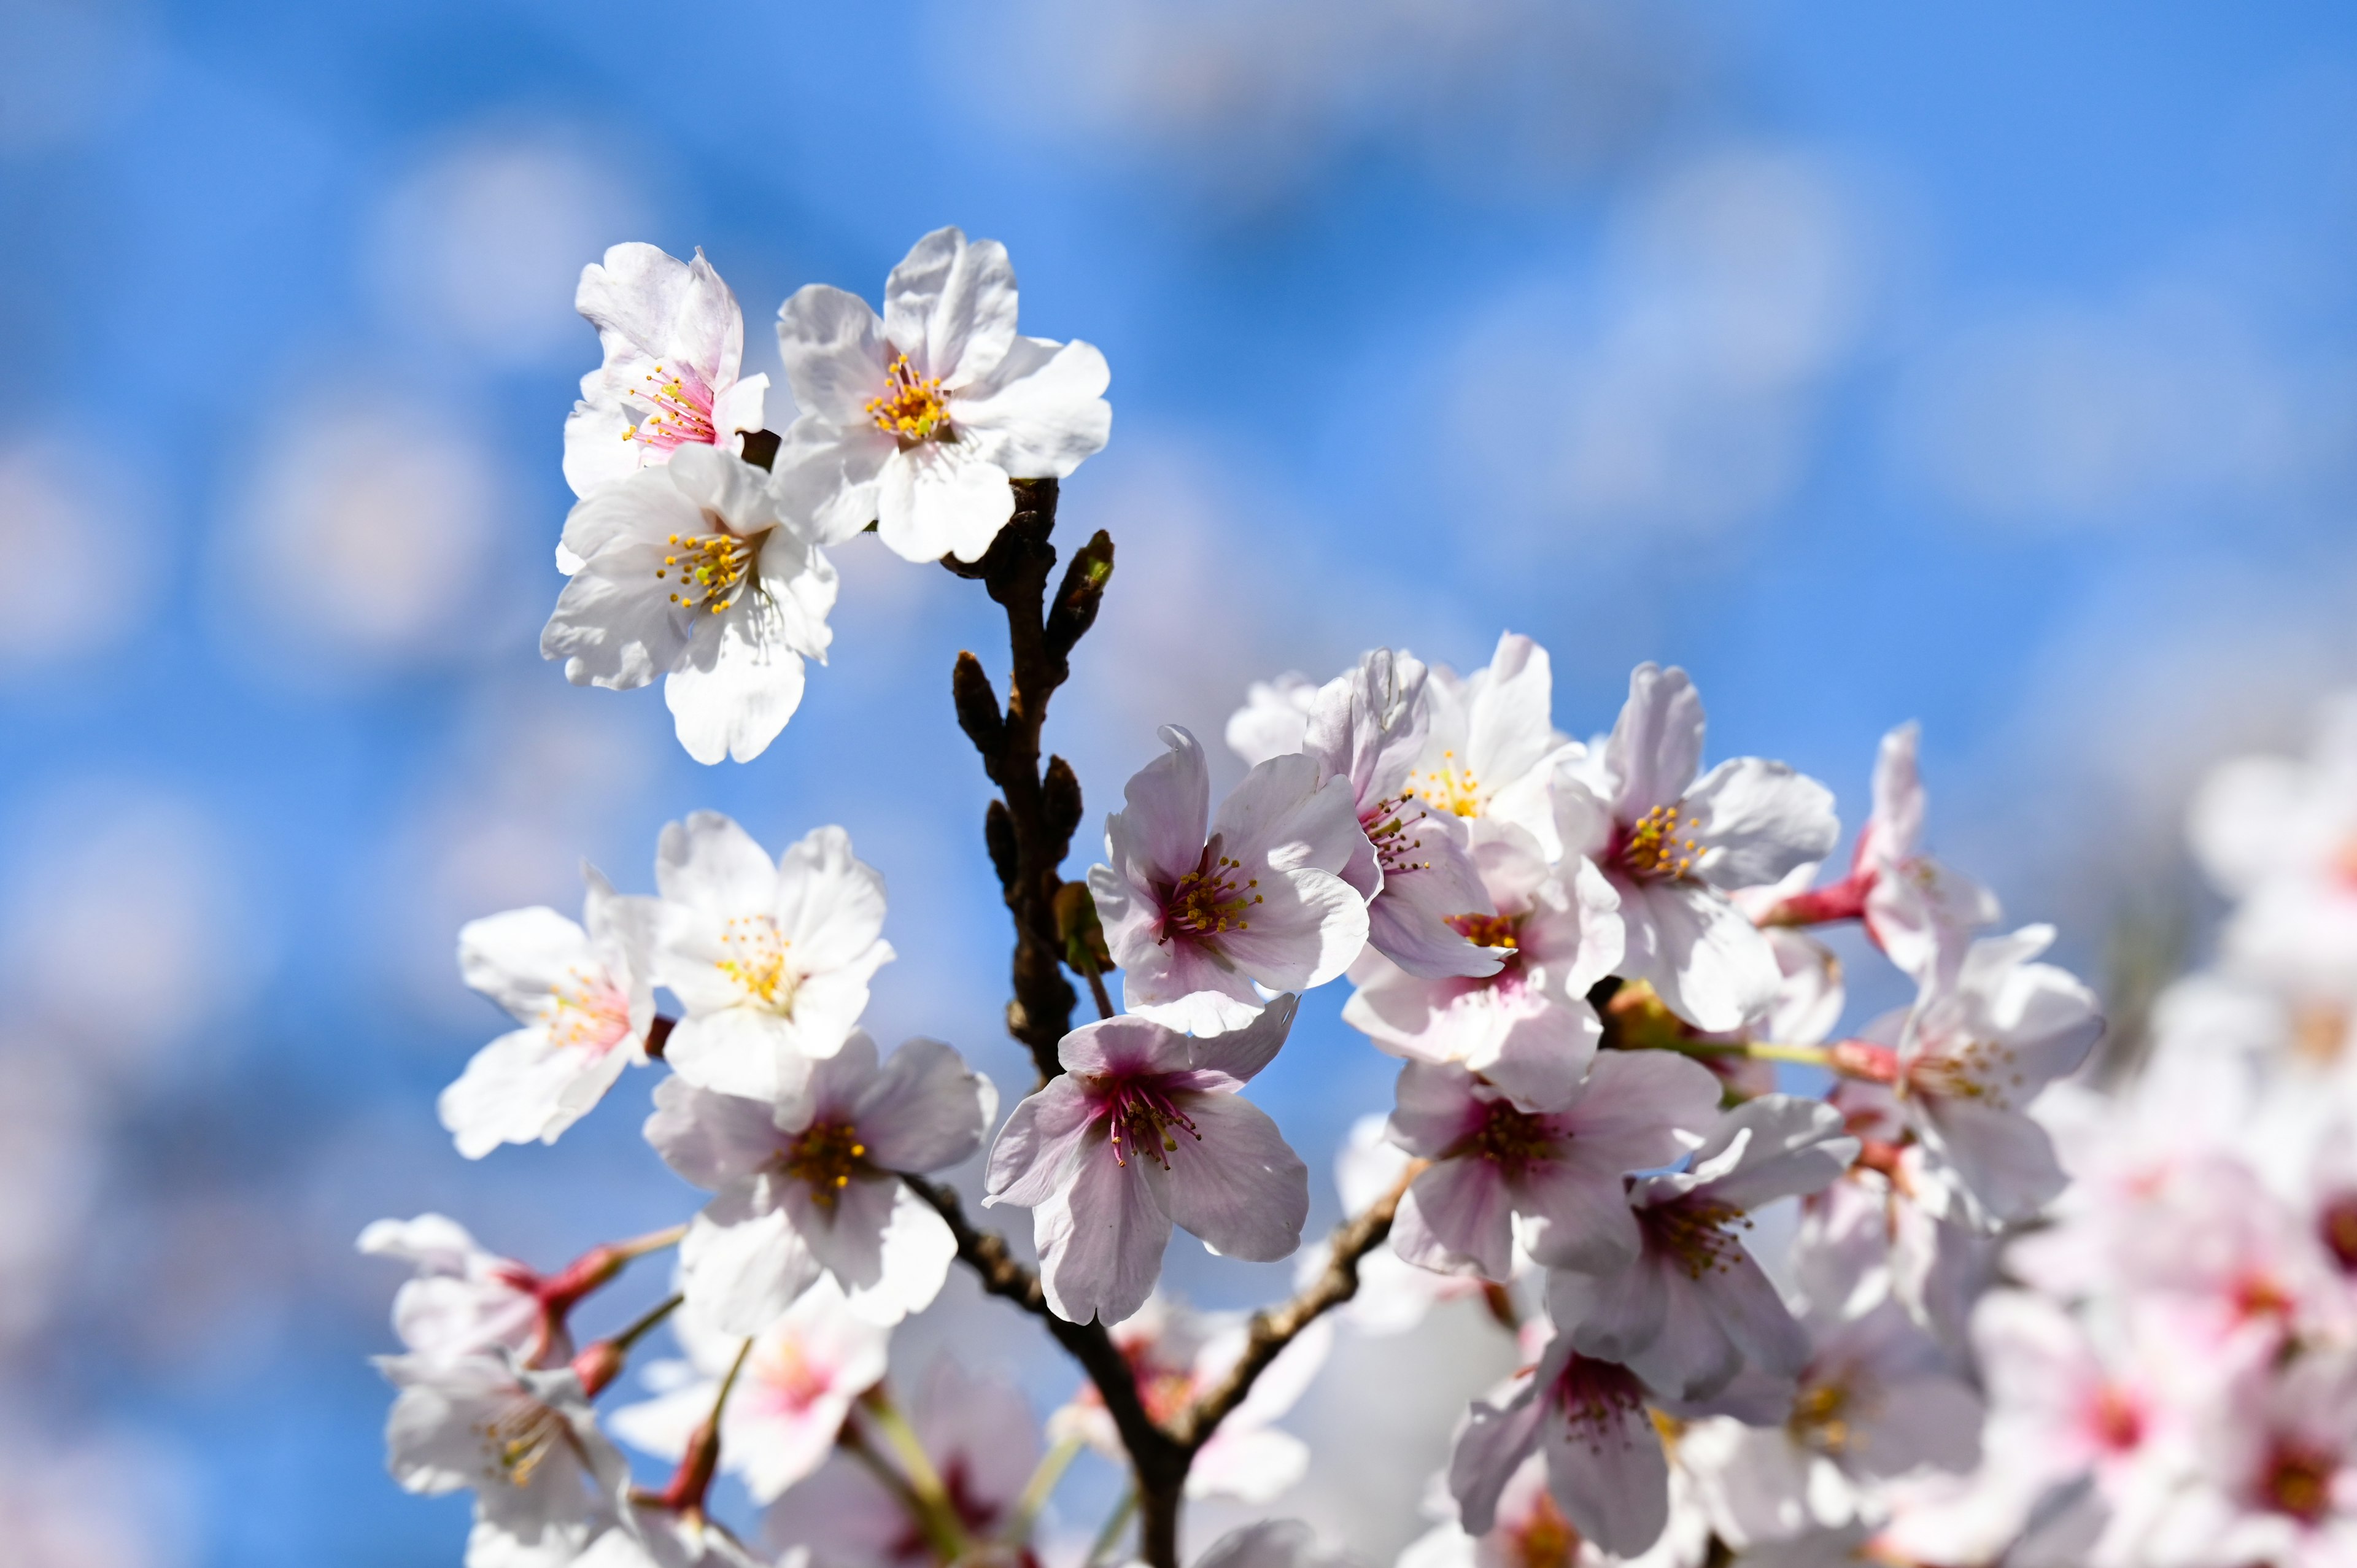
point(911, 407)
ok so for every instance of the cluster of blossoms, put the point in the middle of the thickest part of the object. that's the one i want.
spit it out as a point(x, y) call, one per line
point(1591, 959)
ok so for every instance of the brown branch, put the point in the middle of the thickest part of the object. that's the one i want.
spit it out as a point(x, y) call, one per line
point(1272, 1329)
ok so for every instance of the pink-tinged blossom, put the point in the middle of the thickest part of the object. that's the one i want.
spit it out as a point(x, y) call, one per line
point(791, 1396)
point(1692, 1309)
point(1370, 725)
point(1143, 1130)
point(545, 1480)
point(583, 995)
point(1605, 1467)
point(1490, 747)
point(984, 1442)
point(463, 1301)
point(1551, 1177)
point(810, 1184)
point(915, 420)
point(1177, 1354)
point(1550, 932)
point(1530, 1531)
point(2276, 1481)
point(1975, 1051)
point(690, 572)
point(1675, 847)
point(1196, 917)
point(657, 1537)
point(674, 340)
point(771, 960)
point(1274, 719)
point(1920, 912)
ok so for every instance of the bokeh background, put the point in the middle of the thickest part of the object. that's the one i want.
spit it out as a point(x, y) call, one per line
point(1991, 365)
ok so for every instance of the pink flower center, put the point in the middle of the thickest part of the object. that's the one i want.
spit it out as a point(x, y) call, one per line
point(1209, 900)
point(1596, 1394)
point(825, 1155)
point(1658, 846)
point(1485, 930)
point(1145, 1121)
point(1820, 1418)
point(1390, 826)
point(1695, 1233)
point(912, 408)
point(1511, 1139)
point(2115, 1420)
point(591, 1015)
point(2338, 1227)
point(1976, 1069)
point(2298, 1481)
point(682, 416)
point(786, 1381)
point(1545, 1540)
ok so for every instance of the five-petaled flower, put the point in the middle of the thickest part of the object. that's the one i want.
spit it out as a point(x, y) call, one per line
point(1604, 1460)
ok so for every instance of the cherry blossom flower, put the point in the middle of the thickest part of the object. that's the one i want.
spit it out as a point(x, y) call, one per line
point(2278, 1481)
point(1194, 921)
point(674, 340)
point(1549, 1177)
point(545, 1480)
point(1605, 1467)
point(584, 1000)
point(1692, 1307)
point(1552, 932)
point(1490, 747)
point(1675, 847)
point(1530, 1531)
point(689, 571)
point(791, 1398)
point(657, 1537)
point(1143, 1130)
point(915, 420)
point(770, 959)
point(1974, 1053)
point(984, 1442)
point(808, 1184)
point(463, 1301)
point(1177, 1354)
point(1274, 719)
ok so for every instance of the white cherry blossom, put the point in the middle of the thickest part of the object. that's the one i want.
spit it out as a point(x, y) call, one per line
point(915, 420)
point(674, 340)
point(462, 1301)
point(1605, 1467)
point(584, 997)
point(690, 571)
point(771, 960)
point(1490, 747)
point(1274, 718)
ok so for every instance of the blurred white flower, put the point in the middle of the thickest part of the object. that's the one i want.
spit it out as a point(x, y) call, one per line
point(65, 498)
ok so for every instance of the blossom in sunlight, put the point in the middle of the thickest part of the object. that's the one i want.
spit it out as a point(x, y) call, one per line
point(770, 959)
point(1605, 1467)
point(690, 571)
point(1490, 748)
point(1549, 1177)
point(983, 1442)
point(1674, 846)
point(1691, 1308)
point(1974, 1054)
point(583, 994)
point(915, 420)
point(1177, 1354)
point(1143, 1130)
point(659, 1538)
point(1551, 932)
point(800, 1379)
point(808, 1184)
point(2278, 1480)
point(545, 1480)
point(1274, 718)
point(462, 1301)
point(674, 340)
point(1197, 908)
point(1528, 1529)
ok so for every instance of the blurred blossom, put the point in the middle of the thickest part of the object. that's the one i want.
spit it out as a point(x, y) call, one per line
point(123, 923)
point(373, 535)
point(66, 499)
point(106, 1502)
point(481, 246)
point(71, 67)
point(1252, 98)
point(2170, 401)
point(1683, 389)
point(49, 1167)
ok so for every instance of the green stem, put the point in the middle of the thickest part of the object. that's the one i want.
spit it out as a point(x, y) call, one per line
point(646, 1324)
point(1115, 1522)
point(1037, 1490)
point(936, 1514)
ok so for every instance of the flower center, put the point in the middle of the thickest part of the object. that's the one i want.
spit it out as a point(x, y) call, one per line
point(1659, 845)
point(2117, 1420)
point(785, 1380)
point(1207, 902)
point(824, 1156)
point(682, 406)
point(710, 568)
point(1820, 1418)
point(1389, 825)
point(1547, 1539)
point(1146, 1121)
point(2338, 1225)
point(1485, 930)
point(2299, 1482)
point(519, 1437)
point(1597, 1393)
point(590, 1012)
point(756, 961)
point(1979, 1070)
point(911, 407)
point(1513, 1139)
point(1451, 788)
point(1697, 1234)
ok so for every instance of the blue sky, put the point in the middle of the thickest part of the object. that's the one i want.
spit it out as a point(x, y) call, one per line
point(1993, 366)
